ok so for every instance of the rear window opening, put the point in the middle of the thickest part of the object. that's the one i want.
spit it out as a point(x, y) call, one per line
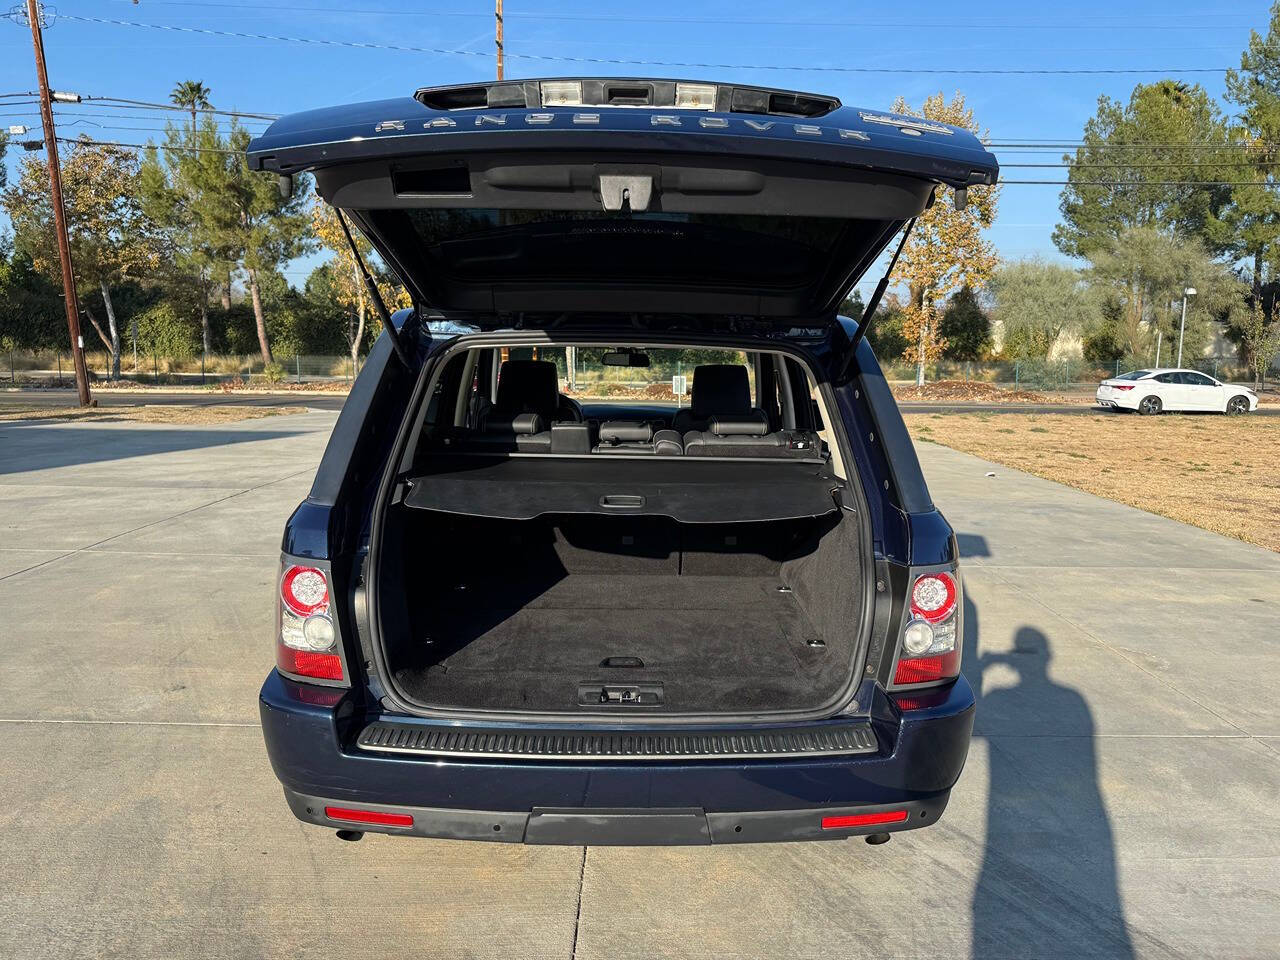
point(621, 530)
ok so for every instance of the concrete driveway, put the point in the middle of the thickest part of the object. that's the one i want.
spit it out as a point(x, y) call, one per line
point(1119, 799)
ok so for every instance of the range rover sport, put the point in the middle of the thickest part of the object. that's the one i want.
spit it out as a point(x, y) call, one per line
point(620, 537)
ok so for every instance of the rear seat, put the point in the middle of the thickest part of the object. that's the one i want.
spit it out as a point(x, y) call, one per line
point(637, 437)
point(747, 435)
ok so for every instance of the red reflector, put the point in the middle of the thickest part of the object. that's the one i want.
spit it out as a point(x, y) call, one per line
point(924, 669)
point(369, 816)
point(863, 819)
point(322, 666)
point(922, 700)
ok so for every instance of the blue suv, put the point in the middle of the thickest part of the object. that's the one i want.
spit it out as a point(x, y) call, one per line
point(620, 537)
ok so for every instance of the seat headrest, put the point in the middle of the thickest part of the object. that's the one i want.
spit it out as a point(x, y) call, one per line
point(625, 431)
point(523, 423)
point(753, 423)
point(528, 386)
point(720, 388)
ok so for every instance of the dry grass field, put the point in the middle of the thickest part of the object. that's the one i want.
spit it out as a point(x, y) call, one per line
point(1219, 473)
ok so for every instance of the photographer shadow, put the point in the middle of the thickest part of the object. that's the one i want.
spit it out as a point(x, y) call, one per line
point(1048, 884)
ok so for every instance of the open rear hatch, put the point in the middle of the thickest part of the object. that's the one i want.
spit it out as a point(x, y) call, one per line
point(534, 203)
point(625, 196)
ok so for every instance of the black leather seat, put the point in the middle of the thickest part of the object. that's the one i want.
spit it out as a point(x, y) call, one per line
point(523, 433)
point(718, 388)
point(637, 437)
point(531, 386)
point(748, 435)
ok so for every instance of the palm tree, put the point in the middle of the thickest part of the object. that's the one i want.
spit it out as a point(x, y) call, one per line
point(193, 95)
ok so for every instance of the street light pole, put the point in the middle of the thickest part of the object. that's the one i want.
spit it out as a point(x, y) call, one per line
point(1182, 326)
point(59, 213)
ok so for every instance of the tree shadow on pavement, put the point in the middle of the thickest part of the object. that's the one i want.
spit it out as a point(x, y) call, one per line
point(1048, 885)
point(28, 446)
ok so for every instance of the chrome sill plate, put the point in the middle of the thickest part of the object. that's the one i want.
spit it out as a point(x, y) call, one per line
point(809, 741)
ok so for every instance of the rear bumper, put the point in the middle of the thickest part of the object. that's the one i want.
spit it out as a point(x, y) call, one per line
point(605, 826)
point(1116, 401)
point(312, 747)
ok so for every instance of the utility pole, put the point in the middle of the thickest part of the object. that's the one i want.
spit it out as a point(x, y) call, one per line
point(59, 213)
point(498, 39)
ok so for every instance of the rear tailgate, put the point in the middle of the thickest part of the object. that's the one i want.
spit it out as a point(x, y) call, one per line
point(625, 196)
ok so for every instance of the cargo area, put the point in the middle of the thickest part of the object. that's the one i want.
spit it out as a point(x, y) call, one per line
point(638, 615)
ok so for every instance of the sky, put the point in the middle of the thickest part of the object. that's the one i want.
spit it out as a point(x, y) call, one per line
point(795, 46)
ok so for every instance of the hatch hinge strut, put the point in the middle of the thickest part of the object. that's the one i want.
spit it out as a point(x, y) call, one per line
point(864, 324)
point(374, 295)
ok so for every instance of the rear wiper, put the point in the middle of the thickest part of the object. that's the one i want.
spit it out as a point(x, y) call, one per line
point(374, 295)
point(865, 323)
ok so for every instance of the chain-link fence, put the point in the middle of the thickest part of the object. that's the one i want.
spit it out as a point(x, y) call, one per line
point(1065, 374)
point(54, 368)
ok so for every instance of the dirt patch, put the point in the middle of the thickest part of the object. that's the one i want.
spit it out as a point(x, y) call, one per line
point(1215, 472)
point(152, 413)
point(965, 391)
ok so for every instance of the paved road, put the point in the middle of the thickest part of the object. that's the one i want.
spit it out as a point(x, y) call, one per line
point(1117, 801)
point(334, 401)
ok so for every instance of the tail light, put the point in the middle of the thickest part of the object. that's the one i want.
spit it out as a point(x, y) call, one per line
point(1116, 386)
point(307, 643)
point(929, 649)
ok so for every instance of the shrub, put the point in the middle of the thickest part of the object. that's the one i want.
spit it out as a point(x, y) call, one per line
point(164, 331)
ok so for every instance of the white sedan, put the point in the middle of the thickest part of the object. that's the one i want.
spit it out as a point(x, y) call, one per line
point(1153, 391)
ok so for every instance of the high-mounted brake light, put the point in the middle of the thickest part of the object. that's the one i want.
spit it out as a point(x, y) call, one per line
point(307, 639)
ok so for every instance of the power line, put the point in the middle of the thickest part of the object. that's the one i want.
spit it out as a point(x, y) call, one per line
point(1076, 23)
point(926, 71)
point(123, 103)
point(89, 141)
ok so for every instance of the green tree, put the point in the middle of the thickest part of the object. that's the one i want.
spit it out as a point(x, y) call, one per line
point(1037, 303)
point(1120, 178)
point(185, 187)
point(1251, 229)
point(852, 305)
point(261, 229)
point(31, 312)
point(112, 240)
point(193, 95)
point(965, 327)
point(1259, 338)
point(1141, 276)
